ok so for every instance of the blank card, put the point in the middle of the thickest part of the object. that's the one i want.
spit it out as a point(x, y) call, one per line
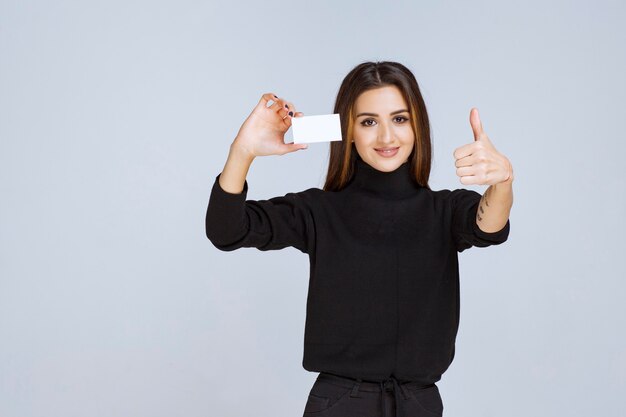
point(321, 128)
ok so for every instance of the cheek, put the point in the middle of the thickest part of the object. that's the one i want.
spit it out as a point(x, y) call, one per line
point(407, 134)
point(364, 137)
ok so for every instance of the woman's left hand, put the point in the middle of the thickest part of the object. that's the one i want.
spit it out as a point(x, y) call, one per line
point(479, 162)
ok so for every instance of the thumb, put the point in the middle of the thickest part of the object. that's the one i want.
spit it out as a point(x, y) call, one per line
point(477, 125)
point(292, 147)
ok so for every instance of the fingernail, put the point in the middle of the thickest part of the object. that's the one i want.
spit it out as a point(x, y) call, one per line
point(290, 113)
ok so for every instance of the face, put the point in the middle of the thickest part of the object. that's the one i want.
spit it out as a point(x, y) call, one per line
point(382, 123)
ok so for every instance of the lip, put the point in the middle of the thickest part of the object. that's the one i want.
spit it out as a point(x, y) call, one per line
point(391, 154)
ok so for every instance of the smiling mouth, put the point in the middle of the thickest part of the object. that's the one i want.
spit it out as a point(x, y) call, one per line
point(387, 149)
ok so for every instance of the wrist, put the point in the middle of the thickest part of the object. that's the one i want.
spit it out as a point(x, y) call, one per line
point(240, 153)
point(509, 180)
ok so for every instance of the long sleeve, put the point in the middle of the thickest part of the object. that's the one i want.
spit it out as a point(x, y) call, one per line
point(233, 222)
point(465, 230)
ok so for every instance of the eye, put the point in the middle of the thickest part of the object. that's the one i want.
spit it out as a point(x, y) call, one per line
point(365, 122)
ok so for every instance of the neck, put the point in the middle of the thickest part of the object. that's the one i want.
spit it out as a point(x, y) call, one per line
point(394, 184)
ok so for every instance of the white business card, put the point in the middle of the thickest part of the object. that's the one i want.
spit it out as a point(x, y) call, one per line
point(320, 128)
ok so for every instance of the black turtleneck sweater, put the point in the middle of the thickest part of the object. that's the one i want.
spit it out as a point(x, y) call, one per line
point(383, 296)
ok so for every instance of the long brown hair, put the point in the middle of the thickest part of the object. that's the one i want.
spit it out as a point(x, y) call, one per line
point(367, 76)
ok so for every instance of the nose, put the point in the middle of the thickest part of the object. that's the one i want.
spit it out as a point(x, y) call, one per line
point(385, 134)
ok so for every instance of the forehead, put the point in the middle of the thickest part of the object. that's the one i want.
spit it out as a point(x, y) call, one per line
point(383, 98)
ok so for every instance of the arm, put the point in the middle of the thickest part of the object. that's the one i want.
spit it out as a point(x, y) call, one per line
point(464, 207)
point(480, 163)
point(233, 222)
point(235, 170)
point(495, 205)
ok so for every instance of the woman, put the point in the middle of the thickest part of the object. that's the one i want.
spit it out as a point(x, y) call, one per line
point(383, 300)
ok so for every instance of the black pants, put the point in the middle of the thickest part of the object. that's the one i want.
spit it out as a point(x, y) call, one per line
point(339, 396)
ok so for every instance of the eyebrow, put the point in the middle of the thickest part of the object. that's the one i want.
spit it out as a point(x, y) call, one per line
point(375, 115)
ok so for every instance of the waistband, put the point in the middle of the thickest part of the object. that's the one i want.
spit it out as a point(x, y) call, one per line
point(388, 384)
point(369, 385)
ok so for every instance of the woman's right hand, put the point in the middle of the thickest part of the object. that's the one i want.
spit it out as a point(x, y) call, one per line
point(263, 132)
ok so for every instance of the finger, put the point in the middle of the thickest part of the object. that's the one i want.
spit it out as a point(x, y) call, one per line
point(279, 105)
point(477, 126)
point(284, 112)
point(290, 108)
point(266, 98)
point(291, 111)
point(286, 115)
point(466, 161)
point(465, 171)
point(470, 180)
point(292, 147)
point(289, 105)
point(465, 150)
point(297, 114)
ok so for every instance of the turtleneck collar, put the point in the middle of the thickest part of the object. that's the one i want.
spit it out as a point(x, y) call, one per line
point(393, 184)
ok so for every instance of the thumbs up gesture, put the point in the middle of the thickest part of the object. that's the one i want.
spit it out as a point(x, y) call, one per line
point(479, 162)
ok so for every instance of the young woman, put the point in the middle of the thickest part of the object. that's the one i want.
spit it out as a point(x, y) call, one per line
point(383, 300)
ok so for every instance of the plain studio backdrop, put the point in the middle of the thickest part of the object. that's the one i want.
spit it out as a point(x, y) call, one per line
point(116, 117)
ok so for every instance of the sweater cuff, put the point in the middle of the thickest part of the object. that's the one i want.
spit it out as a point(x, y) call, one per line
point(227, 197)
point(497, 236)
point(226, 215)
